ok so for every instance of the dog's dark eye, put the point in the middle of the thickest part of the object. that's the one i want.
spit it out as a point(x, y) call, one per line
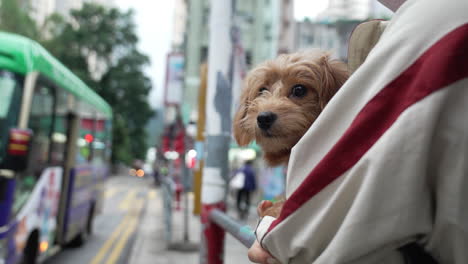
point(298, 90)
point(263, 89)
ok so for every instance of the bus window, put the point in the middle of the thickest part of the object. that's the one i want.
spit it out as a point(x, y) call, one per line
point(98, 152)
point(108, 146)
point(8, 86)
point(99, 143)
point(40, 122)
point(10, 103)
point(59, 135)
point(85, 138)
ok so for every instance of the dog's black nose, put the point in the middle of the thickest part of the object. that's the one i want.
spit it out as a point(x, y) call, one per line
point(266, 119)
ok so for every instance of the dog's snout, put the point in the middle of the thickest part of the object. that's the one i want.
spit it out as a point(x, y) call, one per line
point(266, 119)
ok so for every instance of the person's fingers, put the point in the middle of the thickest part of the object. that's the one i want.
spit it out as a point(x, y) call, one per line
point(257, 254)
point(265, 204)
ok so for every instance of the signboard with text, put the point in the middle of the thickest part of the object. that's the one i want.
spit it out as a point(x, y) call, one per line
point(173, 91)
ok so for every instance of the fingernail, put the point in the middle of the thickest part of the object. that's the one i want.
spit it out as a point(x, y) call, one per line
point(272, 261)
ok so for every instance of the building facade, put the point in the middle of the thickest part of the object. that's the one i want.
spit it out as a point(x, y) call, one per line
point(333, 27)
point(347, 9)
point(354, 10)
point(179, 25)
point(265, 28)
point(286, 26)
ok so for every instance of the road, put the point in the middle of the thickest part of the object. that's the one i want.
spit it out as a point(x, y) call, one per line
point(115, 228)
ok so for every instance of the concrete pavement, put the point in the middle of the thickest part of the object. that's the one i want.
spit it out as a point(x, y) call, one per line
point(150, 246)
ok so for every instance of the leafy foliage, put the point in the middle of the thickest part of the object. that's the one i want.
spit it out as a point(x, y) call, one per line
point(14, 17)
point(100, 46)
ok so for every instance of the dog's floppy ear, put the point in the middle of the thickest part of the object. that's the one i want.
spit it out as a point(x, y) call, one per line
point(335, 73)
point(241, 135)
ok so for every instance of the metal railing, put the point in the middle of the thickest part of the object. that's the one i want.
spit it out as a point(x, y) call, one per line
point(243, 233)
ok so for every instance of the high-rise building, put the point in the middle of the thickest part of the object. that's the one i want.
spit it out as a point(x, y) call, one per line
point(347, 9)
point(311, 34)
point(260, 24)
point(333, 27)
point(354, 10)
point(286, 27)
point(179, 25)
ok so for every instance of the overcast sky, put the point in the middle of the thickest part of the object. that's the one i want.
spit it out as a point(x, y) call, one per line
point(308, 8)
point(154, 26)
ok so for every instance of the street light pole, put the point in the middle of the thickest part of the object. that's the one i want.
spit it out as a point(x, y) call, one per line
point(218, 129)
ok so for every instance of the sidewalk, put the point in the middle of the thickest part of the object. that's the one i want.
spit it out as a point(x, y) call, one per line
point(150, 246)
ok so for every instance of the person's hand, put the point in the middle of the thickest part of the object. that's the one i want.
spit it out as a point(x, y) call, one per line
point(256, 253)
point(259, 255)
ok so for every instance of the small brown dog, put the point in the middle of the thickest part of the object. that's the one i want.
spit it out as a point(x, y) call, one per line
point(281, 99)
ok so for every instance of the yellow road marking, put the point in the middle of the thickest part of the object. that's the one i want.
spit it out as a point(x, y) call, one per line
point(126, 227)
point(117, 251)
point(102, 252)
point(127, 201)
point(110, 192)
point(152, 194)
point(124, 204)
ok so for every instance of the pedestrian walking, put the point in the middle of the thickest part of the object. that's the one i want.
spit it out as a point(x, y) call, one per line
point(245, 182)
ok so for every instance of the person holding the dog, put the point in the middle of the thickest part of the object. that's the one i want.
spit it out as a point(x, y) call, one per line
point(380, 176)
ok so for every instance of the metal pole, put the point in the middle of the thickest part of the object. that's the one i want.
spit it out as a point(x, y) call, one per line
point(185, 183)
point(186, 205)
point(218, 130)
point(200, 140)
point(167, 199)
point(243, 233)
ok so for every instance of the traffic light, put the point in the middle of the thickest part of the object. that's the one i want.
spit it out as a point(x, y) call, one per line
point(89, 138)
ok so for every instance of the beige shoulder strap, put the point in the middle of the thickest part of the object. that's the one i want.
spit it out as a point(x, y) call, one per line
point(362, 40)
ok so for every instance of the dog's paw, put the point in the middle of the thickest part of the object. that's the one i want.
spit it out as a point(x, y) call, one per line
point(269, 208)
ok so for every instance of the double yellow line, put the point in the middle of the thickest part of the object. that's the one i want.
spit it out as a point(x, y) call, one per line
point(123, 231)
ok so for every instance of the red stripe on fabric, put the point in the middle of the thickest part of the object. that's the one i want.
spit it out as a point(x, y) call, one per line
point(441, 65)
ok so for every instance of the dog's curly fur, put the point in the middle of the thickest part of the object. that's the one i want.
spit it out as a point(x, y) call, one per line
point(268, 88)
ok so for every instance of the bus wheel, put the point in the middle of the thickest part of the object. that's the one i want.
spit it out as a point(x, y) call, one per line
point(31, 250)
point(80, 239)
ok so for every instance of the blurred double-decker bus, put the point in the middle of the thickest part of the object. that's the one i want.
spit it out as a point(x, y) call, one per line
point(55, 135)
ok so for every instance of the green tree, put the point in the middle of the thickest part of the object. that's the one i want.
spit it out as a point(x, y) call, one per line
point(131, 102)
point(14, 17)
point(99, 45)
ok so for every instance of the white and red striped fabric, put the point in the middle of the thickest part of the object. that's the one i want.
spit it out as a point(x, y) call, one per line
point(386, 163)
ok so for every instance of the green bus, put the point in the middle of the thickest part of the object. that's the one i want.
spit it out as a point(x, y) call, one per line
point(55, 142)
